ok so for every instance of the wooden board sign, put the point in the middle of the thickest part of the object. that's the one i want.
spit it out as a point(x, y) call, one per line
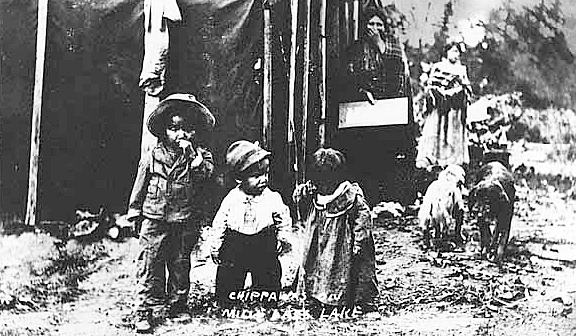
point(392, 111)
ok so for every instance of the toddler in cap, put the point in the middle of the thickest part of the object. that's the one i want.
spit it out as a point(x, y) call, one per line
point(251, 228)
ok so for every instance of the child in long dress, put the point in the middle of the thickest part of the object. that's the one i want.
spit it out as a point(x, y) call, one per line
point(339, 259)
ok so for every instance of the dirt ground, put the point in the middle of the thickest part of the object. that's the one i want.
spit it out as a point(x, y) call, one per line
point(421, 293)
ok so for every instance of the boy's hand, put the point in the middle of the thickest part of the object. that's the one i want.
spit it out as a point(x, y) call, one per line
point(215, 255)
point(197, 159)
point(356, 249)
point(134, 216)
point(283, 247)
point(277, 218)
point(186, 145)
point(302, 191)
point(137, 220)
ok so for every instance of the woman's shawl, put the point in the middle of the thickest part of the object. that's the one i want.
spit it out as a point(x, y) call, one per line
point(448, 76)
point(385, 75)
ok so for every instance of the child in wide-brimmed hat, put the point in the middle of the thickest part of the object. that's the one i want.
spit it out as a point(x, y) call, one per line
point(164, 200)
point(251, 228)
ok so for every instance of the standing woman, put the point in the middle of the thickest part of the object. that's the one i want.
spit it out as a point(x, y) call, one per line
point(444, 136)
point(376, 68)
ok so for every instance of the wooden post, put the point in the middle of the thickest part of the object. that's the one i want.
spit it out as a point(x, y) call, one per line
point(356, 19)
point(31, 205)
point(0, 116)
point(292, 159)
point(267, 80)
point(305, 93)
point(322, 70)
point(148, 140)
point(347, 23)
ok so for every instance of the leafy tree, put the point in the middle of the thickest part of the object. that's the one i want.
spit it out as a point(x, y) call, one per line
point(430, 53)
point(526, 50)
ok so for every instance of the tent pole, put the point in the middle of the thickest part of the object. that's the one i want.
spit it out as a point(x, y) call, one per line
point(346, 22)
point(0, 116)
point(322, 83)
point(267, 80)
point(292, 161)
point(305, 93)
point(31, 205)
point(148, 141)
point(355, 19)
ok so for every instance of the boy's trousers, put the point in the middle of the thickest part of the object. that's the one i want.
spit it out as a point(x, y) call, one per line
point(240, 254)
point(164, 246)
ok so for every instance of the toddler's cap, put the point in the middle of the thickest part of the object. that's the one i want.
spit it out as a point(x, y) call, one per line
point(242, 154)
point(184, 102)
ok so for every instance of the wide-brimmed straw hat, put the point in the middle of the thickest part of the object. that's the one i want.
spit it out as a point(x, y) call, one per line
point(242, 154)
point(187, 103)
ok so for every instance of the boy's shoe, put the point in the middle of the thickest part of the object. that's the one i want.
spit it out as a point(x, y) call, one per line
point(143, 323)
point(369, 309)
point(177, 308)
point(315, 307)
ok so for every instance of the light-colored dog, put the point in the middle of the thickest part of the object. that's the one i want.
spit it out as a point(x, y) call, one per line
point(443, 205)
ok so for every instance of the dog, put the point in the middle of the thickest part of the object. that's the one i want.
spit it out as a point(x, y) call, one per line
point(424, 176)
point(492, 200)
point(443, 204)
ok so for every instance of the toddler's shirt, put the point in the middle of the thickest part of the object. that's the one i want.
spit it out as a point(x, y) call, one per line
point(248, 214)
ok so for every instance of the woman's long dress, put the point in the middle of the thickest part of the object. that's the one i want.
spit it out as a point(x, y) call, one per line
point(444, 137)
point(380, 157)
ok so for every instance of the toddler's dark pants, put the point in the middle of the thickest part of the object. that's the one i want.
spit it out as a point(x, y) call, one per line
point(164, 246)
point(240, 254)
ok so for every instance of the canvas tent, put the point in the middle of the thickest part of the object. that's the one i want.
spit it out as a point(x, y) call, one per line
point(92, 109)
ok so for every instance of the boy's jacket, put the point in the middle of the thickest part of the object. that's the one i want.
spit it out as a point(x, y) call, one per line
point(168, 187)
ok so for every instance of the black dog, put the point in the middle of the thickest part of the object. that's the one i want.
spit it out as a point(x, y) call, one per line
point(492, 199)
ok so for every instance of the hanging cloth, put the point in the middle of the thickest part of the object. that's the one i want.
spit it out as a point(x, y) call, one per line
point(156, 43)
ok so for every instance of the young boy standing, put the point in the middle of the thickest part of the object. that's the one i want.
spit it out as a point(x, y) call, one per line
point(252, 226)
point(164, 199)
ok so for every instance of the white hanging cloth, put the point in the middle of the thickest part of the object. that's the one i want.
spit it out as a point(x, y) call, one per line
point(156, 43)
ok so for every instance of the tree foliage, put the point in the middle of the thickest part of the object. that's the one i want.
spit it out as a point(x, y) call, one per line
point(526, 50)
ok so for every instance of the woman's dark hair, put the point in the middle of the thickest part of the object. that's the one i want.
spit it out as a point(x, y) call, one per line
point(391, 17)
point(369, 12)
point(450, 45)
point(328, 164)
